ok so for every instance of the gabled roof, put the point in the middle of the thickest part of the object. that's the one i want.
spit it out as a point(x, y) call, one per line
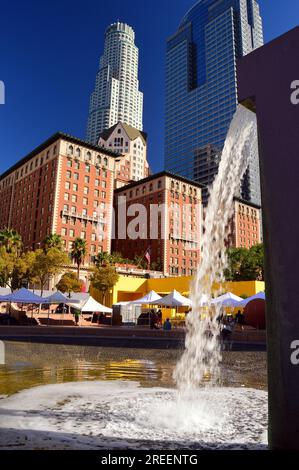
point(131, 132)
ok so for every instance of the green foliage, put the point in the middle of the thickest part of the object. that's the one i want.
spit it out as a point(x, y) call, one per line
point(53, 241)
point(48, 264)
point(78, 253)
point(10, 240)
point(245, 265)
point(105, 259)
point(69, 283)
point(104, 278)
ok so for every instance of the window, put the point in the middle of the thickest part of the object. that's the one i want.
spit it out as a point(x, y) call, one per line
point(75, 187)
point(86, 179)
point(70, 150)
point(66, 196)
point(67, 185)
point(86, 190)
point(69, 173)
point(85, 201)
point(78, 152)
point(87, 168)
point(76, 176)
point(96, 193)
point(83, 235)
point(72, 233)
point(63, 231)
point(74, 198)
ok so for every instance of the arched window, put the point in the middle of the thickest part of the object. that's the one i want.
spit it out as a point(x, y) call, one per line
point(70, 150)
point(88, 156)
point(99, 159)
point(106, 161)
point(78, 152)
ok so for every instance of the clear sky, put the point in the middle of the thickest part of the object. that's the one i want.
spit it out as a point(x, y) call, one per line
point(49, 52)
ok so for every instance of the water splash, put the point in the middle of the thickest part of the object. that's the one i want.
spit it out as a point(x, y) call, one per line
point(201, 358)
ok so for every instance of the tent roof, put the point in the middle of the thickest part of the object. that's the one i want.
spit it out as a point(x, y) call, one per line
point(59, 298)
point(24, 296)
point(148, 298)
point(259, 296)
point(174, 299)
point(91, 305)
point(227, 300)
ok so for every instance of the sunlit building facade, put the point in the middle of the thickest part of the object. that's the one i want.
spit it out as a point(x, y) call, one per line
point(116, 96)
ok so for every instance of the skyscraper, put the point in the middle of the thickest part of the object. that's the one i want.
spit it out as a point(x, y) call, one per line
point(201, 87)
point(116, 96)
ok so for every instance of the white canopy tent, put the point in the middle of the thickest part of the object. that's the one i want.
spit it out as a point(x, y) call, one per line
point(259, 296)
point(174, 299)
point(92, 306)
point(24, 296)
point(227, 300)
point(152, 296)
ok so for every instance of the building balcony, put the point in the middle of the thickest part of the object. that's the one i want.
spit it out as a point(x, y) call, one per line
point(77, 215)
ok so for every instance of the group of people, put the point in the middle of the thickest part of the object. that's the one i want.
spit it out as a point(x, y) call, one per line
point(156, 321)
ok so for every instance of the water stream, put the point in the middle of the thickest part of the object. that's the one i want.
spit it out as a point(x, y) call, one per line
point(202, 355)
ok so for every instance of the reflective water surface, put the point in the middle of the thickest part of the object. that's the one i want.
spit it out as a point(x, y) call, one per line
point(29, 365)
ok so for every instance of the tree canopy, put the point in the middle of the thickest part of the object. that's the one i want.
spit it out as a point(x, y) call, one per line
point(245, 264)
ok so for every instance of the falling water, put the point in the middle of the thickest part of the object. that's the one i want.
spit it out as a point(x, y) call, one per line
point(202, 354)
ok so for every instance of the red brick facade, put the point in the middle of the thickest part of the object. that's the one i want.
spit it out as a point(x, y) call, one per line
point(245, 225)
point(60, 188)
point(175, 248)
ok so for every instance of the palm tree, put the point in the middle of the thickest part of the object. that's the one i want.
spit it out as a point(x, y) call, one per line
point(10, 240)
point(78, 253)
point(53, 241)
point(103, 258)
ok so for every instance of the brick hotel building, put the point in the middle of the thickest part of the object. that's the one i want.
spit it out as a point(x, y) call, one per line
point(246, 225)
point(60, 187)
point(175, 249)
point(69, 187)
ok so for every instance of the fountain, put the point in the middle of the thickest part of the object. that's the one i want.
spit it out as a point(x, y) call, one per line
point(125, 414)
point(268, 82)
point(202, 348)
point(117, 414)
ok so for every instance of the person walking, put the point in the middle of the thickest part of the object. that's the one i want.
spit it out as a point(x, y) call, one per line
point(167, 325)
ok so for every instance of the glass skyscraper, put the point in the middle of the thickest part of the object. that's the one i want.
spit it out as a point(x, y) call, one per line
point(116, 96)
point(201, 87)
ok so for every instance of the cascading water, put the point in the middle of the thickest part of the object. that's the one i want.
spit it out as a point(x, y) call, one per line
point(202, 354)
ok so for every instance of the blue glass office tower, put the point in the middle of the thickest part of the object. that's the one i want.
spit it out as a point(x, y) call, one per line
point(201, 87)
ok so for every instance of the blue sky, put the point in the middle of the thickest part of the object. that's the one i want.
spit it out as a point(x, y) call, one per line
point(49, 52)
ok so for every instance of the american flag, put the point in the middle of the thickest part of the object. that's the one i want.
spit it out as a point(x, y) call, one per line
point(148, 255)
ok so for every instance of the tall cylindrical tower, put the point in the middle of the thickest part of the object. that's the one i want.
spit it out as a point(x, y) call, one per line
point(116, 96)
